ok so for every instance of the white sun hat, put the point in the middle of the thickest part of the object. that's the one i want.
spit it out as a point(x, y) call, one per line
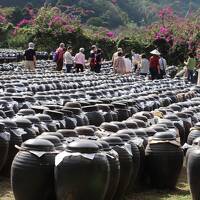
point(155, 52)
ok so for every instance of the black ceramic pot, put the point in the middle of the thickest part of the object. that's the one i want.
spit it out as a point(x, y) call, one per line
point(126, 165)
point(25, 126)
point(83, 176)
point(4, 145)
point(114, 164)
point(163, 160)
point(193, 174)
point(95, 116)
point(15, 139)
point(36, 169)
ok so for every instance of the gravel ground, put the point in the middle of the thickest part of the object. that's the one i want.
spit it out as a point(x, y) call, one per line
point(181, 193)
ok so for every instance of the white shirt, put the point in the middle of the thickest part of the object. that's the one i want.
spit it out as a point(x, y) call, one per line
point(163, 63)
point(144, 66)
point(128, 64)
point(68, 59)
point(136, 58)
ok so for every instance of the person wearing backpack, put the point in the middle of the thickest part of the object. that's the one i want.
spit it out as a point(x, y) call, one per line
point(163, 66)
point(58, 58)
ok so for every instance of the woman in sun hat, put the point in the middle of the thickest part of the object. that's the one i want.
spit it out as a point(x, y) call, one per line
point(154, 64)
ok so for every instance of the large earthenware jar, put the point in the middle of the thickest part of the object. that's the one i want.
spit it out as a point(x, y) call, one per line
point(15, 139)
point(193, 173)
point(163, 160)
point(4, 144)
point(95, 116)
point(126, 165)
point(81, 172)
point(114, 164)
point(34, 164)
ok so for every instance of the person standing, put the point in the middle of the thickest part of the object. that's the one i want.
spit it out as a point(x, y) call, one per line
point(30, 57)
point(115, 55)
point(98, 61)
point(135, 60)
point(119, 64)
point(59, 56)
point(144, 66)
point(191, 66)
point(154, 67)
point(92, 58)
point(79, 60)
point(128, 64)
point(68, 60)
point(163, 66)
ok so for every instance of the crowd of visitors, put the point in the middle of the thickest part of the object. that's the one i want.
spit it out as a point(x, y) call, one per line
point(122, 63)
point(67, 62)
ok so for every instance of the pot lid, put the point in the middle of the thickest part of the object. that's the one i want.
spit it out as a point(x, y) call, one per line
point(23, 123)
point(59, 135)
point(109, 127)
point(166, 122)
point(8, 123)
point(26, 112)
point(52, 138)
point(113, 141)
point(83, 146)
point(38, 144)
point(129, 132)
point(44, 118)
point(85, 131)
point(131, 124)
point(33, 119)
point(68, 133)
point(91, 108)
point(164, 136)
point(121, 125)
point(123, 136)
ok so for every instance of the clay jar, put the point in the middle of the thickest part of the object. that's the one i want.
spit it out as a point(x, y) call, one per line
point(4, 144)
point(114, 165)
point(35, 165)
point(126, 165)
point(95, 116)
point(193, 174)
point(194, 133)
point(163, 161)
point(80, 167)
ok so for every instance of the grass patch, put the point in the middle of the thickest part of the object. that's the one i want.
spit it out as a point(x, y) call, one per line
point(181, 193)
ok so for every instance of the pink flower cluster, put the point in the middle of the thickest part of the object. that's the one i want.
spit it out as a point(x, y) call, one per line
point(2, 19)
point(57, 20)
point(110, 34)
point(24, 22)
point(62, 23)
point(167, 11)
point(164, 33)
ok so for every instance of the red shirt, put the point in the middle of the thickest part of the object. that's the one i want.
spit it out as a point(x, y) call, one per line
point(154, 62)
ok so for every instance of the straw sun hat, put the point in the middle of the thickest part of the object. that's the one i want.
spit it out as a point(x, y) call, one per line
point(155, 52)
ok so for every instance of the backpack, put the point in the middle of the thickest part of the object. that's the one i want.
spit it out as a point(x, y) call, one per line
point(55, 56)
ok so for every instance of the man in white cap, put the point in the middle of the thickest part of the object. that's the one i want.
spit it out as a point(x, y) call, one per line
point(30, 57)
point(154, 64)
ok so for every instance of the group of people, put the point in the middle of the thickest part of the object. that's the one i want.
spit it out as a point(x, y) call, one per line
point(140, 64)
point(122, 63)
point(66, 62)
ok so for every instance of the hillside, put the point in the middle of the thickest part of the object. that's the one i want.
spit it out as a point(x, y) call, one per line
point(113, 13)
